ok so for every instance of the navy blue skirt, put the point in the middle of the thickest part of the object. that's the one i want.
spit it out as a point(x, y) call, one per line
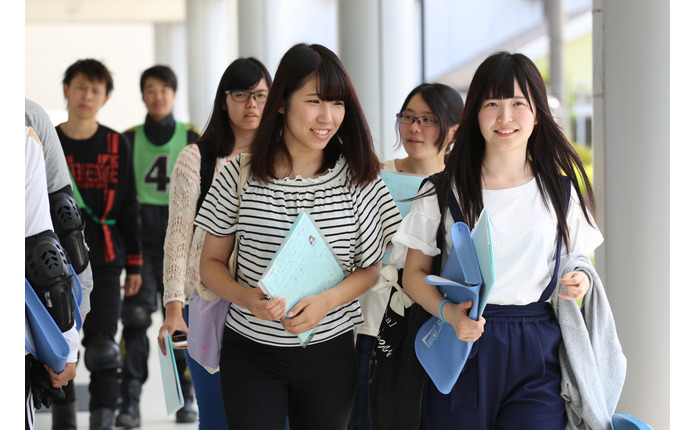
point(511, 379)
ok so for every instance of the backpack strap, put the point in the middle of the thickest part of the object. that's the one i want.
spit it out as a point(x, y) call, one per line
point(207, 172)
point(456, 213)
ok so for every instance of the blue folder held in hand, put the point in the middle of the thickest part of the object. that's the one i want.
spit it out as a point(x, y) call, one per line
point(42, 337)
point(437, 347)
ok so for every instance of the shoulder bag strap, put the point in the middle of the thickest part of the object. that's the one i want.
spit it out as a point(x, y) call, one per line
point(456, 213)
point(207, 172)
point(244, 171)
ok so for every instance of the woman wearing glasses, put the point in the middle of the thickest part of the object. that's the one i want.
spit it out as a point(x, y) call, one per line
point(425, 126)
point(239, 103)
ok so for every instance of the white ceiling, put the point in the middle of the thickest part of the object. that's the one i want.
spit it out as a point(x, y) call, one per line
point(56, 11)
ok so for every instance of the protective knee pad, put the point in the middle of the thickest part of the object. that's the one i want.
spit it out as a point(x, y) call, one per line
point(102, 354)
point(69, 226)
point(47, 269)
point(135, 316)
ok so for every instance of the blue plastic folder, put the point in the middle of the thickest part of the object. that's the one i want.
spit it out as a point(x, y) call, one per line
point(437, 347)
point(173, 395)
point(42, 337)
point(303, 265)
point(402, 187)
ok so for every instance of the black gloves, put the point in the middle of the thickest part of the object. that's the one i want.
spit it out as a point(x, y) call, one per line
point(41, 388)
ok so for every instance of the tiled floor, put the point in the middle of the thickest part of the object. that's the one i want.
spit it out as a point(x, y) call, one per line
point(152, 407)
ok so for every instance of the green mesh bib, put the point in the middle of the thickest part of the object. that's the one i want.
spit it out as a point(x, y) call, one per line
point(153, 164)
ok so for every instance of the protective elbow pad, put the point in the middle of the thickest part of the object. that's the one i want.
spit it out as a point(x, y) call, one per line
point(69, 225)
point(47, 269)
point(102, 354)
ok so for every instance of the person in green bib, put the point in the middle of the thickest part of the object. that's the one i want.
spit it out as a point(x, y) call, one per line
point(156, 145)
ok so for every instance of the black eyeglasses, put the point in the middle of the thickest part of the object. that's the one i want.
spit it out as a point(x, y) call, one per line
point(423, 121)
point(261, 96)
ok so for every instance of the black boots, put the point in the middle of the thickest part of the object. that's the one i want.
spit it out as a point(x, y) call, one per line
point(101, 419)
point(129, 409)
point(64, 416)
point(129, 413)
point(187, 413)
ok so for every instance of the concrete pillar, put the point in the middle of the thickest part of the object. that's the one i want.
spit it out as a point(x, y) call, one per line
point(631, 153)
point(555, 16)
point(170, 49)
point(359, 49)
point(682, 227)
point(254, 33)
point(232, 13)
point(208, 54)
point(378, 41)
point(400, 68)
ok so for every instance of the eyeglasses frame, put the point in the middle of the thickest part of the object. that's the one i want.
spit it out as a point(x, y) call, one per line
point(401, 115)
point(250, 94)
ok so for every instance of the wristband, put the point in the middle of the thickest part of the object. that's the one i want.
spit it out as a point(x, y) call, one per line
point(440, 310)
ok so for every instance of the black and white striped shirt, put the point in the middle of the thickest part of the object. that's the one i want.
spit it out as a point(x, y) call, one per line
point(358, 222)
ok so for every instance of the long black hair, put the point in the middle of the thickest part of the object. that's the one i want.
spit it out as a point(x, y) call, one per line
point(549, 152)
point(241, 74)
point(353, 139)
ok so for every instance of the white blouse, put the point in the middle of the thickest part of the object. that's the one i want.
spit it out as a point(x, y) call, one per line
point(374, 301)
point(524, 234)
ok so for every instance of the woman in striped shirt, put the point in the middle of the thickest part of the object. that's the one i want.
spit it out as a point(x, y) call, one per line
point(313, 152)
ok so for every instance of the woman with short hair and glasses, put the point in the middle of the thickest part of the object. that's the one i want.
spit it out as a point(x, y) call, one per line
point(236, 114)
point(425, 126)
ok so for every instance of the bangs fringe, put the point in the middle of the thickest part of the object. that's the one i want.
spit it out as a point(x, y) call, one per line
point(500, 86)
point(333, 85)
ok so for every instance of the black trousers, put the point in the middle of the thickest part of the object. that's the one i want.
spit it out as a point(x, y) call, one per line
point(135, 341)
point(263, 385)
point(102, 324)
point(137, 346)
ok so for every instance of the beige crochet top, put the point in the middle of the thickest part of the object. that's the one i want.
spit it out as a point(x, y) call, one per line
point(184, 241)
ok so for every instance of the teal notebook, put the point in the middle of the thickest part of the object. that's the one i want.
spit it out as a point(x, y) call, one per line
point(173, 396)
point(303, 265)
point(402, 187)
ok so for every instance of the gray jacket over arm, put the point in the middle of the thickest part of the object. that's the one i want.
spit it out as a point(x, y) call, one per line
point(591, 358)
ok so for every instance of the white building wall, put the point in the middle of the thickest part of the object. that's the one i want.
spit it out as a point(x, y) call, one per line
point(126, 49)
point(632, 179)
